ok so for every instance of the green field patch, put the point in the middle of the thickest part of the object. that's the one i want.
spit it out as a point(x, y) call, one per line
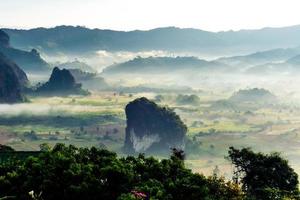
point(221, 127)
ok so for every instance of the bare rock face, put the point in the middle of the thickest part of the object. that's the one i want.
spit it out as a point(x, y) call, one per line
point(151, 128)
point(61, 82)
point(12, 81)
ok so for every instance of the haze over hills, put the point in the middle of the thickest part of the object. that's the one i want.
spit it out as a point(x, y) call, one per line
point(157, 65)
point(162, 50)
point(77, 65)
point(286, 66)
point(261, 57)
point(29, 61)
point(75, 40)
point(261, 63)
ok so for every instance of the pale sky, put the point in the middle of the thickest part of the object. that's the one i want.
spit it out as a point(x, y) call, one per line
point(212, 15)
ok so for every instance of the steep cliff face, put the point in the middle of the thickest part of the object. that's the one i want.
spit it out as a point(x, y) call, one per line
point(12, 81)
point(151, 128)
point(29, 61)
point(61, 82)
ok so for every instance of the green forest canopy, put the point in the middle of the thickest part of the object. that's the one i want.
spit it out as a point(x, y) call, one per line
point(68, 172)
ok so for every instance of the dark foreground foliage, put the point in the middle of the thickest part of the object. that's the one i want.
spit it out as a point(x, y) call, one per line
point(81, 173)
point(264, 176)
point(67, 172)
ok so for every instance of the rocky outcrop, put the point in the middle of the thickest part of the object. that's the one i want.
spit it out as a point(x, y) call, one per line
point(151, 128)
point(61, 82)
point(29, 61)
point(12, 81)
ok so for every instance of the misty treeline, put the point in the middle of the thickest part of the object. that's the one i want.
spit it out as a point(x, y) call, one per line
point(68, 172)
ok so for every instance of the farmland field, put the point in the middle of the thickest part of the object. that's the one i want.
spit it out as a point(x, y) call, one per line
point(99, 120)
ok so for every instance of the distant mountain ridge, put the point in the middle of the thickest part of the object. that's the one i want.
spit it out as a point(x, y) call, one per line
point(261, 57)
point(70, 39)
point(157, 65)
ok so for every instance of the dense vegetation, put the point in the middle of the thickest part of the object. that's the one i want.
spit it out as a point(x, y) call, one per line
point(72, 173)
point(67, 172)
point(264, 176)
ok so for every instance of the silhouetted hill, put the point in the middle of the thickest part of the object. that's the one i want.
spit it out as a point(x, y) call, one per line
point(158, 65)
point(69, 39)
point(12, 81)
point(61, 82)
point(29, 61)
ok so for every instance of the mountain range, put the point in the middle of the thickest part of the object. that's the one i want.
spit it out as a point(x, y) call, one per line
point(284, 61)
point(260, 51)
point(158, 65)
point(75, 40)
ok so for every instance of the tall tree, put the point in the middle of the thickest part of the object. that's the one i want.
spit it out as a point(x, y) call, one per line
point(264, 176)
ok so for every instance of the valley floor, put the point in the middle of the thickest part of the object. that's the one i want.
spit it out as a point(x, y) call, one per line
point(99, 120)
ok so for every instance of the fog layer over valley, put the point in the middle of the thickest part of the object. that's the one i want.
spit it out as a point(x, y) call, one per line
point(148, 91)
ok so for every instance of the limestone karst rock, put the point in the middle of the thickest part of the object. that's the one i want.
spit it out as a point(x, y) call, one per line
point(151, 128)
point(12, 81)
point(61, 82)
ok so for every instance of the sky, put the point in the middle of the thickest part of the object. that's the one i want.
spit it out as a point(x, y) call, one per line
point(211, 15)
